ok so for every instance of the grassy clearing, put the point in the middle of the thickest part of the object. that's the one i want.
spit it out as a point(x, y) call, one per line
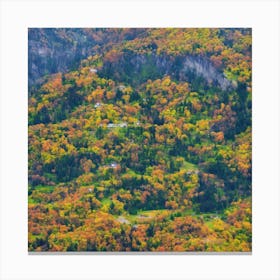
point(106, 201)
point(143, 216)
point(45, 189)
point(187, 212)
point(189, 166)
point(152, 213)
point(31, 201)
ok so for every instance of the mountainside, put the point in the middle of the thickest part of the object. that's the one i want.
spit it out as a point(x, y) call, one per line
point(145, 145)
point(52, 50)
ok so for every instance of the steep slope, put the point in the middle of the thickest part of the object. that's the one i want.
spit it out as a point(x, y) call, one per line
point(52, 50)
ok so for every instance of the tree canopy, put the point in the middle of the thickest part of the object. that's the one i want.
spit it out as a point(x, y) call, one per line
point(146, 145)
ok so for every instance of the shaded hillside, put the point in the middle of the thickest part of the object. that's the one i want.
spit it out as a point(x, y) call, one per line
point(52, 50)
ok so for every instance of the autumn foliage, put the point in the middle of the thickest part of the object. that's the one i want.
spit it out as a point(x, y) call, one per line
point(138, 149)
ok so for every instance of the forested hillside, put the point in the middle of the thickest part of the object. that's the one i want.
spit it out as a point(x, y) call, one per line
point(142, 142)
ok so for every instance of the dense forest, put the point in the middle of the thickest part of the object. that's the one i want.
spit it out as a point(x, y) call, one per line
point(140, 139)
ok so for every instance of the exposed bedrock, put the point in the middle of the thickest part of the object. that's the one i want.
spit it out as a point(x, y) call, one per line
point(152, 66)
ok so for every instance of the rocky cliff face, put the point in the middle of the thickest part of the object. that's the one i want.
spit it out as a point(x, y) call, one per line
point(153, 66)
point(53, 50)
point(202, 67)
